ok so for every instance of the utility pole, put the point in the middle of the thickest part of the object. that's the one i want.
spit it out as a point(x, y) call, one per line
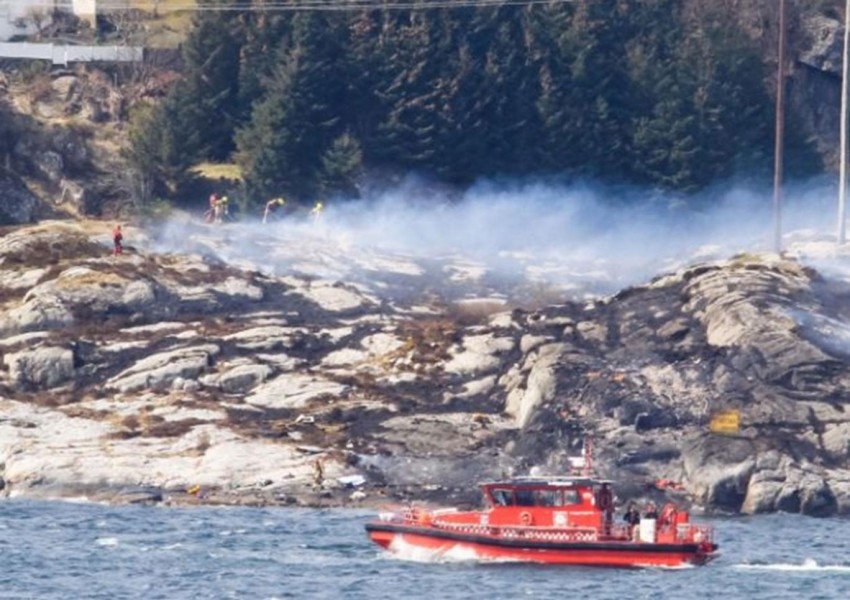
point(842, 168)
point(780, 127)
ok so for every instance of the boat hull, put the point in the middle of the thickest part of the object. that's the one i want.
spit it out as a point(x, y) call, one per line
point(614, 553)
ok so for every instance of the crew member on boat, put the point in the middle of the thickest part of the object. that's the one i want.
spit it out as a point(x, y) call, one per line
point(632, 517)
point(605, 502)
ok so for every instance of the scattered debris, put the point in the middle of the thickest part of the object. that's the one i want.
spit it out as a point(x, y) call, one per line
point(310, 449)
point(351, 481)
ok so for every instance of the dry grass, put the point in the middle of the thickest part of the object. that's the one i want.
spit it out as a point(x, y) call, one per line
point(428, 341)
point(93, 278)
point(130, 422)
point(166, 22)
point(475, 313)
point(745, 259)
point(40, 89)
point(227, 171)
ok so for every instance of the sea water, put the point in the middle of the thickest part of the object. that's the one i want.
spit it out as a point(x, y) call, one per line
point(68, 550)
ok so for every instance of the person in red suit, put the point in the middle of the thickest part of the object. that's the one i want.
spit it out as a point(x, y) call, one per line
point(118, 239)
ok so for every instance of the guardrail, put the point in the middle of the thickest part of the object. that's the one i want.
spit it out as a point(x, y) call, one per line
point(62, 54)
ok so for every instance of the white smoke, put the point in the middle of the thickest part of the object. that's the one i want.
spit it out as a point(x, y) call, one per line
point(580, 236)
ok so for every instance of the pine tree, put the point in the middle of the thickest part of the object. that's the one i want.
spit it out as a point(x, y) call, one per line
point(264, 33)
point(660, 92)
point(409, 91)
point(8, 133)
point(664, 144)
point(731, 106)
point(600, 90)
point(558, 143)
point(371, 44)
point(342, 168)
point(294, 124)
point(208, 95)
point(158, 156)
point(511, 91)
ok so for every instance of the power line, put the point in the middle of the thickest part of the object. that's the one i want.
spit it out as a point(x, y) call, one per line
point(295, 5)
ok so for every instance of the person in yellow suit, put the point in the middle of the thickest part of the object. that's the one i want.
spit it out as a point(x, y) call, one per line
point(221, 210)
point(272, 205)
point(316, 213)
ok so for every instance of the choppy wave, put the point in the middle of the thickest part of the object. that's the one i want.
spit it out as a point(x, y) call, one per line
point(130, 551)
point(808, 564)
point(107, 541)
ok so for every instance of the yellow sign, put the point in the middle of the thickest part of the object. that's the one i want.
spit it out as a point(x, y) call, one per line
point(726, 421)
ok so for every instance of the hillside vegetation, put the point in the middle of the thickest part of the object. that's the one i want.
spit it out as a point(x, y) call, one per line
point(657, 92)
point(672, 95)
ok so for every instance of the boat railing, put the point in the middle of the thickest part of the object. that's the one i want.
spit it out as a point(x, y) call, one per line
point(688, 533)
point(692, 533)
point(519, 531)
point(415, 514)
point(571, 534)
point(620, 531)
point(392, 517)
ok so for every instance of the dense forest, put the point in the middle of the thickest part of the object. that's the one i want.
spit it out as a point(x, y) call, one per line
point(312, 102)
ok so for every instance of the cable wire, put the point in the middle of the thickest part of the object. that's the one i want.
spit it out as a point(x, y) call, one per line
point(278, 6)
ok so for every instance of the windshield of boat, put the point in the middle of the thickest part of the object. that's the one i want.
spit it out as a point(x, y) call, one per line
point(503, 497)
point(535, 497)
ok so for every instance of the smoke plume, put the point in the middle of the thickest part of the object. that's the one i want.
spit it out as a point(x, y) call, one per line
point(580, 237)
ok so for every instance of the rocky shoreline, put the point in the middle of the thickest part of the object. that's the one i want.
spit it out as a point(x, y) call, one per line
point(212, 373)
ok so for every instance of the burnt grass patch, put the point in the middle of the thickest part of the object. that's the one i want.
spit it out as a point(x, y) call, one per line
point(169, 429)
point(10, 296)
point(360, 421)
point(274, 423)
point(429, 339)
point(51, 399)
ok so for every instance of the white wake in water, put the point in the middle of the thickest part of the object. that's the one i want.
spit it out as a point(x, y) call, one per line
point(402, 550)
point(106, 541)
point(808, 564)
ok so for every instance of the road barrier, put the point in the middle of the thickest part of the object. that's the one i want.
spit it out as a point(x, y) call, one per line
point(64, 54)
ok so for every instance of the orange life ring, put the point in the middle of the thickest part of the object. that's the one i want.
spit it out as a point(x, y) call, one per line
point(525, 518)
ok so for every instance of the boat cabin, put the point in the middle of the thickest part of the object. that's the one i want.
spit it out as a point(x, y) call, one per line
point(550, 502)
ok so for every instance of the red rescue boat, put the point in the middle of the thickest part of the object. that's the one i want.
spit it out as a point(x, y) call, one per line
point(552, 520)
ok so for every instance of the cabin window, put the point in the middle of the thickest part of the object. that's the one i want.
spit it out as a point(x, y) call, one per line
point(525, 497)
point(548, 498)
point(503, 497)
point(571, 497)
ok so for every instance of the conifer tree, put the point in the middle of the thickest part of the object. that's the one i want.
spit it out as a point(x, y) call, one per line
point(264, 33)
point(600, 90)
point(8, 133)
point(731, 105)
point(409, 91)
point(371, 45)
point(342, 168)
point(558, 143)
point(511, 93)
point(281, 149)
point(159, 156)
point(664, 143)
point(660, 92)
point(208, 95)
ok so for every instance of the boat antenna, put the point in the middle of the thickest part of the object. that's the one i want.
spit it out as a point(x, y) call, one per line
point(587, 452)
point(583, 464)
